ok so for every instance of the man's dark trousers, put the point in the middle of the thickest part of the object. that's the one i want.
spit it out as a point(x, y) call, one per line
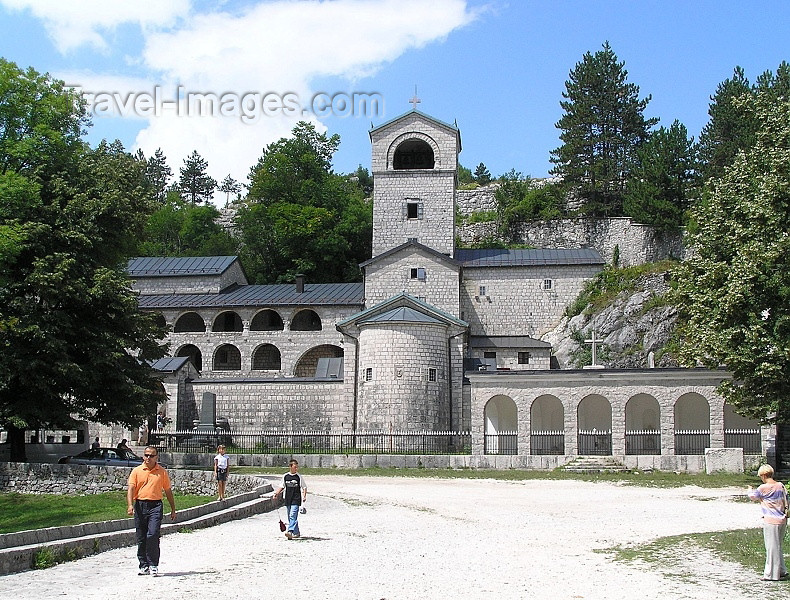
point(147, 522)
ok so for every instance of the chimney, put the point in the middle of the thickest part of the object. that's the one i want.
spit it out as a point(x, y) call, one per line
point(299, 283)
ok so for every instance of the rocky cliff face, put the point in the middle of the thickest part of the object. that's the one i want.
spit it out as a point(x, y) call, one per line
point(637, 323)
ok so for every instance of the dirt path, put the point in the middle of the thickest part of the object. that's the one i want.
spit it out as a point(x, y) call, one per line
point(403, 538)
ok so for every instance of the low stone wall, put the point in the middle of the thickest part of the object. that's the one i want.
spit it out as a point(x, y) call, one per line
point(36, 478)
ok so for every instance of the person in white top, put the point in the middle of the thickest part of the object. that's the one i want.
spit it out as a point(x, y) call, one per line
point(221, 469)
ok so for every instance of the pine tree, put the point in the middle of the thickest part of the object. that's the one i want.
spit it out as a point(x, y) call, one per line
point(158, 174)
point(602, 127)
point(482, 175)
point(229, 186)
point(195, 182)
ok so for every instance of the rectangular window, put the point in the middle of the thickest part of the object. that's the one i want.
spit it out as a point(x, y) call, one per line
point(431, 374)
point(489, 354)
point(369, 374)
point(548, 284)
point(413, 208)
point(412, 240)
point(482, 290)
point(418, 273)
point(523, 358)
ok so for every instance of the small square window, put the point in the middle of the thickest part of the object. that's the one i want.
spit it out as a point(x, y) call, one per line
point(413, 208)
point(548, 284)
point(482, 290)
point(369, 374)
point(431, 374)
point(523, 358)
point(418, 273)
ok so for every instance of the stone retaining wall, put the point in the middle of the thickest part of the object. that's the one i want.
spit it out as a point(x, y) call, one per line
point(35, 478)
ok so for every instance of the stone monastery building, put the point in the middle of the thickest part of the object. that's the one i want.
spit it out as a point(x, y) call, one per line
point(435, 338)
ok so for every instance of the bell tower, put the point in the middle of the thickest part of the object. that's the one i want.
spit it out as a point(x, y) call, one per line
point(414, 165)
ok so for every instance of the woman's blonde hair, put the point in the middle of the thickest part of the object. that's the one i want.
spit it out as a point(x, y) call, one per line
point(766, 470)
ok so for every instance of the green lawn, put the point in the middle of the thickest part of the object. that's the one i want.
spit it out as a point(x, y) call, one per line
point(19, 512)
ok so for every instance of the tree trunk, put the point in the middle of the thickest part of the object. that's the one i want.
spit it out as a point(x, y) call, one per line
point(16, 443)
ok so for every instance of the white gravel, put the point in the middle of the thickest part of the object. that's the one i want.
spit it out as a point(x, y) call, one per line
point(413, 538)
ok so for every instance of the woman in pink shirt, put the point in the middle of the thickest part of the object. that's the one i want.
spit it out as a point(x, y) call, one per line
point(773, 498)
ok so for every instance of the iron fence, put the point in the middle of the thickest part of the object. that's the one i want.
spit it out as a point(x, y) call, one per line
point(315, 442)
point(547, 442)
point(692, 441)
point(505, 442)
point(594, 442)
point(748, 439)
point(643, 442)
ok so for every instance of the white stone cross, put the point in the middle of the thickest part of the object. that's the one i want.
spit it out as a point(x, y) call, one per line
point(415, 100)
point(593, 341)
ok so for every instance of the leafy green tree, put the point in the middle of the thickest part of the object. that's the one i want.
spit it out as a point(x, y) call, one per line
point(519, 200)
point(73, 343)
point(229, 186)
point(364, 180)
point(602, 127)
point(734, 292)
point(301, 217)
point(195, 183)
point(158, 174)
point(180, 228)
point(482, 175)
point(663, 179)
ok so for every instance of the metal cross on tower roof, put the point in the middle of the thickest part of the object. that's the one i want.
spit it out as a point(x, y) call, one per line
point(415, 100)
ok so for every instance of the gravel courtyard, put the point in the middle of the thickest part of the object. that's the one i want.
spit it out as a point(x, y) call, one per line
point(403, 538)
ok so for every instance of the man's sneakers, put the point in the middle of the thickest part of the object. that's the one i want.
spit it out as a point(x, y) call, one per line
point(143, 571)
point(155, 571)
point(152, 570)
point(289, 535)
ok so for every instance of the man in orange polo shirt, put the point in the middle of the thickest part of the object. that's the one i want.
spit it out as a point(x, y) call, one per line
point(144, 500)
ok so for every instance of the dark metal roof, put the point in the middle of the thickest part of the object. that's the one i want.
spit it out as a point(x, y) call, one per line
point(169, 364)
point(412, 244)
point(170, 266)
point(506, 341)
point(262, 295)
point(501, 257)
point(402, 314)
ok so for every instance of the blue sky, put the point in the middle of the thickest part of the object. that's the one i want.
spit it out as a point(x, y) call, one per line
point(496, 68)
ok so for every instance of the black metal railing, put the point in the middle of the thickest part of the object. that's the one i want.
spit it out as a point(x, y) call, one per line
point(748, 439)
point(547, 442)
point(505, 442)
point(315, 442)
point(594, 442)
point(692, 441)
point(643, 442)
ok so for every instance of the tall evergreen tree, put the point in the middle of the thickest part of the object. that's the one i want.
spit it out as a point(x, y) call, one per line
point(602, 127)
point(663, 179)
point(158, 174)
point(195, 183)
point(229, 186)
point(482, 175)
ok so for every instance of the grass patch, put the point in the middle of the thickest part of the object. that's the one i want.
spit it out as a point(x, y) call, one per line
point(660, 479)
point(19, 512)
point(742, 546)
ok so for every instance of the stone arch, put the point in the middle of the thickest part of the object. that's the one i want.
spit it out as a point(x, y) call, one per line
point(415, 148)
point(194, 355)
point(642, 413)
point(308, 362)
point(228, 320)
point(160, 320)
point(267, 320)
point(501, 426)
point(306, 320)
point(692, 411)
point(594, 412)
point(190, 322)
point(266, 357)
point(547, 414)
point(227, 358)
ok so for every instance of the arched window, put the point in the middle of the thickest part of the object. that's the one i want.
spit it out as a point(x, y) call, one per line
point(692, 424)
point(306, 366)
point(306, 320)
point(227, 321)
point(413, 154)
point(266, 358)
point(501, 426)
point(594, 418)
point(547, 426)
point(267, 320)
point(191, 322)
point(193, 354)
point(227, 358)
point(642, 425)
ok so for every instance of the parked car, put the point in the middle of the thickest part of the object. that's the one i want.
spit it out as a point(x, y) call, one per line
point(105, 457)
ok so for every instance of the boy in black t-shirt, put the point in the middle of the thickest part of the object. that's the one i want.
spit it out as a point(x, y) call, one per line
point(295, 494)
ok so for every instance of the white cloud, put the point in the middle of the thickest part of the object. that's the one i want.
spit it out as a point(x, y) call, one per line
point(264, 47)
point(71, 24)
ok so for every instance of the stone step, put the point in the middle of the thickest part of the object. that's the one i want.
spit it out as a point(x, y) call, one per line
point(595, 464)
